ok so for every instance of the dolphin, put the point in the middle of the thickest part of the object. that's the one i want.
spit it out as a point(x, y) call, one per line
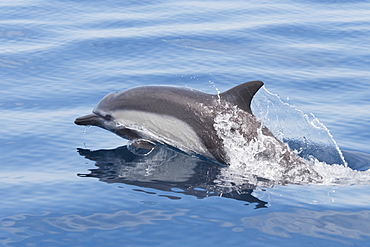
point(176, 116)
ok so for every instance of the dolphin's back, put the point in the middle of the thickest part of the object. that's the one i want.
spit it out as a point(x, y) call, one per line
point(171, 100)
point(160, 99)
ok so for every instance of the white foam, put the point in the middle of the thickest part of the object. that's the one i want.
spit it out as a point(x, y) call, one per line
point(259, 159)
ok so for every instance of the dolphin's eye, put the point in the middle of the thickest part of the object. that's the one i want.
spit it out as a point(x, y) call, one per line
point(108, 117)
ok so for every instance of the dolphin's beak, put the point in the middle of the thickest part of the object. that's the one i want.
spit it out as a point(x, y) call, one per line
point(91, 119)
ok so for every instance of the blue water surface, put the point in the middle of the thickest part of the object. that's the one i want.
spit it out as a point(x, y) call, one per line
point(64, 185)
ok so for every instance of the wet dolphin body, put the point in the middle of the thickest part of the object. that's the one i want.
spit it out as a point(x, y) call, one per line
point(179, 117)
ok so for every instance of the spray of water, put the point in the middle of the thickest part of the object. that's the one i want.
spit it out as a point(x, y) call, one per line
point(301, 132)
point(258, 157)
point(217, 90)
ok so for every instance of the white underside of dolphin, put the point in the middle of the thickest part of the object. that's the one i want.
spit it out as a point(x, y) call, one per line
point(164, 129)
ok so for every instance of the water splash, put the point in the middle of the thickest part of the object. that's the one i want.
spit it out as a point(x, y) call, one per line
point(255, 155)
point(304, 133)
point(86, 128)
point(217, 90)
point(257, 158)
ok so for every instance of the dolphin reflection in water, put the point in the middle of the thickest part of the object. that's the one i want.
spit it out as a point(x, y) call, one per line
point(167, 170)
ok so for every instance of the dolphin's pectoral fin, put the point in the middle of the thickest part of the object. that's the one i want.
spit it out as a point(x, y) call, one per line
point(242, 95)
point(142, 143)
point(141, 146)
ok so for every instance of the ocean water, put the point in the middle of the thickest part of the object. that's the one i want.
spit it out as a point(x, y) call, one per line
point(66, 185)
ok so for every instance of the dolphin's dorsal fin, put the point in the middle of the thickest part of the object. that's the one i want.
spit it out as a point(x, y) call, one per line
point(242, 95)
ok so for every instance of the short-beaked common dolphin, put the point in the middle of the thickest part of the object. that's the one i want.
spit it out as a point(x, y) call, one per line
point(180, 117)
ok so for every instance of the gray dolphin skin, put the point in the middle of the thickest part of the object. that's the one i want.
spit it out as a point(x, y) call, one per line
point(180, 117)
